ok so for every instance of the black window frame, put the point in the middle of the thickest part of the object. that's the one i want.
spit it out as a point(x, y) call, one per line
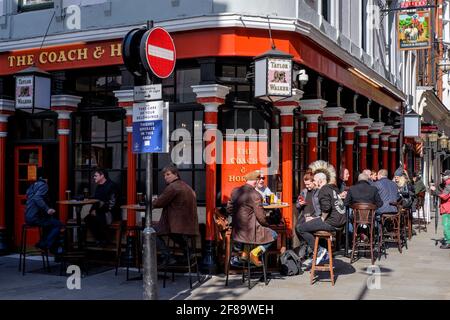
point(299, 150)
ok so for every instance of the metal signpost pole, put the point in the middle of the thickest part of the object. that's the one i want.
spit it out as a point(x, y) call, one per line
point(150, 276)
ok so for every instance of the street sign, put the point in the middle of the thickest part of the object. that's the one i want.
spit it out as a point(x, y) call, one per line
point(148, 93)
point(151, 127)
point(158, 52)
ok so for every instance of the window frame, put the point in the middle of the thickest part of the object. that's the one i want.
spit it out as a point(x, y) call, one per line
point(21, 7)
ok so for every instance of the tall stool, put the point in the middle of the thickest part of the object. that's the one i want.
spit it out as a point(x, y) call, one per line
point(24, 252)
point(190, 252)
point(394, 220)
point(247, 267)
point(363, 214)
point(327, 267)
point(133, 249)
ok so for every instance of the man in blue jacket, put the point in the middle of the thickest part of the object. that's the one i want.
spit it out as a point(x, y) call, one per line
point(388, 191)
point(39, 213)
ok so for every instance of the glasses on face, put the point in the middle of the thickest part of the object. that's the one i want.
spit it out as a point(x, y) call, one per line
point(262, 178)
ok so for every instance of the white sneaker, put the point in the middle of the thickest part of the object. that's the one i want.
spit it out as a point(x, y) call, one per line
point(320, 255)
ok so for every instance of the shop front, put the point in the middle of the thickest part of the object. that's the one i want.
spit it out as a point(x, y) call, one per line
point(335, 116)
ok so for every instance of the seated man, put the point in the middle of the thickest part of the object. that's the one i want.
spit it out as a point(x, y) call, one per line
point(388, 192)
point(249, 220)
point(104, 212)
point(363, 192)
point(331, 205)
point(39, 213)
point(179, 215)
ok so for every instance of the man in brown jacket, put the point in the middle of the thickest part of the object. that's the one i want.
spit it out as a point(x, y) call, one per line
point(179, 214)
point(249, 220)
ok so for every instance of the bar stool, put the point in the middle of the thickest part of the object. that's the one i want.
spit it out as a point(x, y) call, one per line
point(363, 214)
point(247, 248)
point(133, 249)
point(189, 252)
point(327, 267)
point(23, 248)
point(394, 221)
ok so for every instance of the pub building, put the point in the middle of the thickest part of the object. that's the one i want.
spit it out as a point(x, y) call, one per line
point(342, 113)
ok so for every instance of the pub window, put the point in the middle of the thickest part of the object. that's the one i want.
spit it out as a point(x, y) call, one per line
point(189, 118)
point(299, 150)
point(235, 77)
point(40, 126)
point(99, 140)
point(28, 5)
point(322, 141)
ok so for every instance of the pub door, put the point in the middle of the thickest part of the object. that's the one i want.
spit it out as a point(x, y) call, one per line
point(26, 161)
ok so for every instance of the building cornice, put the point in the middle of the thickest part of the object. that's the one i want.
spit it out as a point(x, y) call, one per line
point(224, 20)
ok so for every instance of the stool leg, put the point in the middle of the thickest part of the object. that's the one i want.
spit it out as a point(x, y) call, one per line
point(371, 244)
point(399, 240)
point(313, 267)
point(330, 254)
point(189, 265)
point(227, 271)
point(249, 275)
point(355, 229)
point(264, 260)
point(21, 250)
point(24, 251)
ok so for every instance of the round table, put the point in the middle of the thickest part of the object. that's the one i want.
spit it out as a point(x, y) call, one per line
point(78, 204)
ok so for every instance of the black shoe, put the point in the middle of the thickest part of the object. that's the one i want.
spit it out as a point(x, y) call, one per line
point(445, 246)
point(40, 245)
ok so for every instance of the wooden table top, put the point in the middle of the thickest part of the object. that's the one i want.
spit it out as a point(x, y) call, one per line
point(78, 202)
point(276, 206)
point(136, 207)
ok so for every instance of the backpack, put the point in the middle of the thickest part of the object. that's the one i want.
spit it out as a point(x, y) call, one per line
point(290, 264)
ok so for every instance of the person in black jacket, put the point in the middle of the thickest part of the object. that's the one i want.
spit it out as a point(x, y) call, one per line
point(363, 192)
point(331, 205)
point(104, 212)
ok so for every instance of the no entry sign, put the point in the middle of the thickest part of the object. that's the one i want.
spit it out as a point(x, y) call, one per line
point(158, 52)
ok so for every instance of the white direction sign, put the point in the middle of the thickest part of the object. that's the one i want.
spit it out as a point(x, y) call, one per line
point(148, 93)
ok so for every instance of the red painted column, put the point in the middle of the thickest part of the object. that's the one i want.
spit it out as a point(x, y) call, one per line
point(286, 108)
point(125, 100)
point(385, 133)
point(312, 110)
point(375, 132)
point(362, 129)
point(393, 150)
point(211, 97)
point(64, 105)
point(349, 122)
point(332, 116)
point(6, 109)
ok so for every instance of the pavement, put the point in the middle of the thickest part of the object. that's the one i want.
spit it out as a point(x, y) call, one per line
point(421, 272)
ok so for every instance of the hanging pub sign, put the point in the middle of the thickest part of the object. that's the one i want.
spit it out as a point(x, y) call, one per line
point(273, 75)
point(413, 30)
point(33, 90)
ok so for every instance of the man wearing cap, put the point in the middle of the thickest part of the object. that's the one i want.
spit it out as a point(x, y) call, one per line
point(249, 220)
point(444, 208)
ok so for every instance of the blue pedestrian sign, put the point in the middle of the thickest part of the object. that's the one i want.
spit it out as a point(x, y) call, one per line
point(150, 127)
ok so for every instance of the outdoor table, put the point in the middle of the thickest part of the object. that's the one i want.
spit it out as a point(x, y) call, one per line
point(78, 204)
point(276, 206)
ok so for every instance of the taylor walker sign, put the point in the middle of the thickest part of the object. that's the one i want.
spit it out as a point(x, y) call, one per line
point(24, 92)
point(279, 77)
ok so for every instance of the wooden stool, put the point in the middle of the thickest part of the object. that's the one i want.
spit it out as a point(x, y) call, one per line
point(133, 249)
point(394, 235)
point(23, 249)
point(363, 214)
point(327, 267)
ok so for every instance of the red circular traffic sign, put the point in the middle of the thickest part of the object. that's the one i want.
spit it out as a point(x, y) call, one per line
point(158, 52)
